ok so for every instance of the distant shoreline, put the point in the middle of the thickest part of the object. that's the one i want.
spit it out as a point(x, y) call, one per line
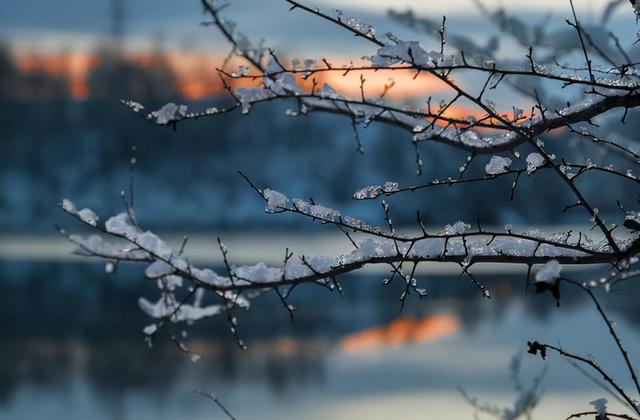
point(244, 247)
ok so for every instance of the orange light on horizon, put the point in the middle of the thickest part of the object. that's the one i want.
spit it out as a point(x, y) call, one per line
point(72, 66)
point(196, 77)
point(195, 73)
point(404, 84)
point(405, 330)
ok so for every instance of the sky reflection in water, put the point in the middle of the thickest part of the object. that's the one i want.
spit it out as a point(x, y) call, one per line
point(72, 349)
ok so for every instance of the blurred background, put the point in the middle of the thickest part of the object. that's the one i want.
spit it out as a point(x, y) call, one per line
point(72, 346)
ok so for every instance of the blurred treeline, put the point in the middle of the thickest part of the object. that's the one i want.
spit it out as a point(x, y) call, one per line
point(54, 145)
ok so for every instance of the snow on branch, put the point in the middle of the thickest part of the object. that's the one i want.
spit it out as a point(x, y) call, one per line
point(121, 239)
point(615, 87)
point(608, 85)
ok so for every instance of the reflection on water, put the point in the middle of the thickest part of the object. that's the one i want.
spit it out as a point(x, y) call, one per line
point(72, 348)
point(403, 330)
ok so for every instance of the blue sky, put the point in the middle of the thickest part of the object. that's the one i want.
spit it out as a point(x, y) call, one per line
point(79, 24)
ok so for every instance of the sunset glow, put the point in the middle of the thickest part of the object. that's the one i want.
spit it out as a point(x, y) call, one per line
point(72, 66)
point(196, 77)
point(404, 84)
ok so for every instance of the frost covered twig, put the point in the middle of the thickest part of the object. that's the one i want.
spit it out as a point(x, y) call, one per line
point(605, 84)
point(528, 398)
point(281, 83)
point(189, 293)
point(496, 168)
point(540, 348)
point(217, 401)
point(548, 278)
point(456, 243)
point(525, 133)
point(596, 413)
point(612, 331)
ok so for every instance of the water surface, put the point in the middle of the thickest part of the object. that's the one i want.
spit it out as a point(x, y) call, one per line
point(72, 348)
